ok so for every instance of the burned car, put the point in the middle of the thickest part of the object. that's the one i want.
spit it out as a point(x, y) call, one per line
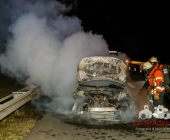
point(101, 92)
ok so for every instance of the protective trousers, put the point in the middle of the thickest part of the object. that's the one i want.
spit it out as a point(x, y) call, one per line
point(160, 100)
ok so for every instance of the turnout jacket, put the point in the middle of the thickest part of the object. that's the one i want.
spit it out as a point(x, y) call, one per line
point(156, 79)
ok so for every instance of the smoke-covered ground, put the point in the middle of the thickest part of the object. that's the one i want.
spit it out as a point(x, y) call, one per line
point(44, 48)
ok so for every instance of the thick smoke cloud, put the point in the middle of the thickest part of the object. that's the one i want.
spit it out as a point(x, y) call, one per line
point(44, 48)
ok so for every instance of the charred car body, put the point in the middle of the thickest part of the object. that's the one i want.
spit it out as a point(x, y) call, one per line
point(101, 91)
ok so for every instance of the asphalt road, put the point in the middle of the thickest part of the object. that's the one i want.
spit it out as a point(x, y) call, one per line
point(51, 127)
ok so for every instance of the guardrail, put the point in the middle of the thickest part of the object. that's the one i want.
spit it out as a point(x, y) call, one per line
point(17, 99)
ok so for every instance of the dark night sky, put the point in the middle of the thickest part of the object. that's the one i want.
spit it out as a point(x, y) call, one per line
point(139, 27)
point(136, 27)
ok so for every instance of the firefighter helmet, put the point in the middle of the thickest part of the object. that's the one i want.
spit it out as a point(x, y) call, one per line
point(146, 66)
point(153, 59)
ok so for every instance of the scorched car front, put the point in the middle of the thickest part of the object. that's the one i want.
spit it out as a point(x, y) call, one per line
point(101, 93)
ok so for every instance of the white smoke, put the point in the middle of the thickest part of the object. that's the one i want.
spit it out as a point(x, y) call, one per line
point(46, 47)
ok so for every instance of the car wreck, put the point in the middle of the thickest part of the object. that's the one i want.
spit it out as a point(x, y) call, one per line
point(101, 92)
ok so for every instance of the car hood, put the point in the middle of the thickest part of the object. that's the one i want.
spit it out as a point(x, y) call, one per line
point(101, 68)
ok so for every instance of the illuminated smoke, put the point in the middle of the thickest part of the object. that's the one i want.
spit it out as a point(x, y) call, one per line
point(44, 48)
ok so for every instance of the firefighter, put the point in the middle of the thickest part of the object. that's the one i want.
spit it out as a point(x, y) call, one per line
point(155, 79)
